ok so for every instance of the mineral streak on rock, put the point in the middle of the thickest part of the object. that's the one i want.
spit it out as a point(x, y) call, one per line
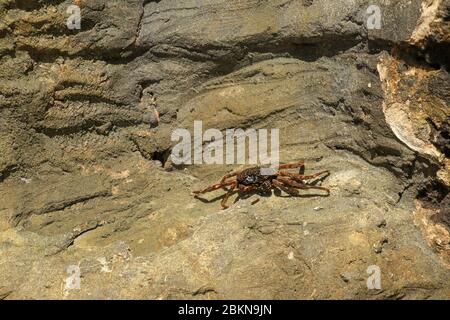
point(86, 118)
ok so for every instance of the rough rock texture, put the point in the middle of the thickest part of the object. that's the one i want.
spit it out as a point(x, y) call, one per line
point(85, 138)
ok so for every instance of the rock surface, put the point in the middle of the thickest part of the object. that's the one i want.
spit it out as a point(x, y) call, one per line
point(87, 184)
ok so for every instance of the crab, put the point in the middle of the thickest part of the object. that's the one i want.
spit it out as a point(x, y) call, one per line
point(251, 180)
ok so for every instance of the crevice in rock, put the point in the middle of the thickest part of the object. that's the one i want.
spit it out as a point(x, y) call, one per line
point(375, 161)
point(418, 57)
point(76, 236)
point(21, 216)
point(243, 54)
point(28, 5)
point(86, 98)
point(88, 125)
point(402, 193)
point(441, 136)
point(434, 195)
point(203, 291)
point(113, 56)
point(6, 172)
point(161, 156)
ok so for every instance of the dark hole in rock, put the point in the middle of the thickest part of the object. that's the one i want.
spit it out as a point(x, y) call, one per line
point(161, 156)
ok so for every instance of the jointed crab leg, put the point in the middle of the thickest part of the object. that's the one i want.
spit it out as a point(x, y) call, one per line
point(216, 186)
point(227, 195)
point(246, 188)
point(300, 177)
point(242, 189)
point(301, 185)
point(229, 175)
point(292, 165)
point(289, 190)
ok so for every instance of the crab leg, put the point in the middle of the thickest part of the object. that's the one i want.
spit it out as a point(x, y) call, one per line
point(229, 175)
point(243, 188)
point(289, 190)
point(302, 186)
point(223, 203)
point(300, 177)
point(292, 165)
point(216, 187)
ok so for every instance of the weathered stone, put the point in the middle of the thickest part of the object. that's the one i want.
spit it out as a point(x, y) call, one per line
point(86, 123)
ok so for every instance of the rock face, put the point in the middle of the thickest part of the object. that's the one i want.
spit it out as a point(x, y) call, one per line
point(90, 196)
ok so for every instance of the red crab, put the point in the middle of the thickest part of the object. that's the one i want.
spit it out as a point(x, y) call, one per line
point(251, 179)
